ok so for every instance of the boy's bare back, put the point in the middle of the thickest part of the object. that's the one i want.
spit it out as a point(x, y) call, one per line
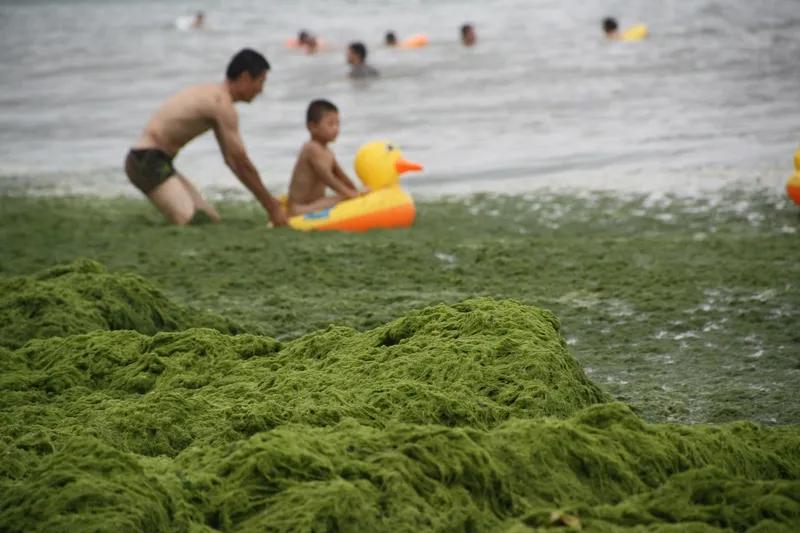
point(316, 166)
point(307, 184)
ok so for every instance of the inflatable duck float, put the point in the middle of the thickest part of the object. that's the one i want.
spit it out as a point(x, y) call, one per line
point(634, 33)
point(378, 165)
point(793, 185)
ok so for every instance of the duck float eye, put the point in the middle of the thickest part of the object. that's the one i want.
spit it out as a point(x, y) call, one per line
point(378, 165)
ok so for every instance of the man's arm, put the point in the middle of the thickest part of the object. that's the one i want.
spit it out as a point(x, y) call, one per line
point(230, 142)
point(321, 160)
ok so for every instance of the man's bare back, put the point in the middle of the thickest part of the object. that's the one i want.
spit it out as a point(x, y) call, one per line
point(184, 116)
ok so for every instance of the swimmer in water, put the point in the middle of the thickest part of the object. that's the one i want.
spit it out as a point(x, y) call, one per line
point(307, 41)
point(357, 59)
point(199, 20)
point(468, 35)
point(390, 39)
point(611, 28)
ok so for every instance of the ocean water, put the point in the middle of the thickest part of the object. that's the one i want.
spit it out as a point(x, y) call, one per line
point(711, 100)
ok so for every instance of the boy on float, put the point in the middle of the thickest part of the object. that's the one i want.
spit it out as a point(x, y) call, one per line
point(316, 168)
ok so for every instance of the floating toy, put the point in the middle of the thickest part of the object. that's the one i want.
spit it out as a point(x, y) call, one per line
point(415, 41)
point(378, 165)
point(634, 33)
point(385, 208)
point(793, 185)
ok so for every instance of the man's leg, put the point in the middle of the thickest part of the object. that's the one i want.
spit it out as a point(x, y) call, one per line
point(197, 199)
point(173, 200)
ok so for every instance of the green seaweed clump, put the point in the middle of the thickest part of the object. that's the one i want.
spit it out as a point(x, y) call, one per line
point(471, 417)
point(84, 296)
point(474, 364)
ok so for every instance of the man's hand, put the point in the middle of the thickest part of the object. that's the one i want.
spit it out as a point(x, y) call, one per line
point(277, 215)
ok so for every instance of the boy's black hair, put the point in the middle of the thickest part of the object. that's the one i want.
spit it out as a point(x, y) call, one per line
point(317, 109)
point(610, 24)
point(465, 28)
point(359, 49)
point(391, 38)
point(303, 36)
point(247, 60)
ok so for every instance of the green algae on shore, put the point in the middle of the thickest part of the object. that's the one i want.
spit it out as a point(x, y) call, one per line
point(476, 364)
point(683, 308)
point(84, 296)
point(465, 417)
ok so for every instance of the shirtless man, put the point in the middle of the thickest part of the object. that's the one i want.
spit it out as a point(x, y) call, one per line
point(183, 117)
point(316, 166)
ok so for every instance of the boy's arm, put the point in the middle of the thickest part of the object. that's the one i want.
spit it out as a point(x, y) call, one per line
point(320, 160)
point(230, 142)
point(337, 170)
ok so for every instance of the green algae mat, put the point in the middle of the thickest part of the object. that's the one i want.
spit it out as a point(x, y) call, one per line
point(508, 364)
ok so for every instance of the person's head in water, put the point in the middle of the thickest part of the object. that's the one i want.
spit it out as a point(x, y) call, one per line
point(199, 19)
point(468, 35)
point(322, 121)
point(610, 26)
point(246, 74)
point(307, 40)
point(390, 38)
point(356, 53)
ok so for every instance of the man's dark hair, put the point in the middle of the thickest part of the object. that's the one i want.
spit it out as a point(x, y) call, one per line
point(465, 28)
point(303, 36)
point(610, 25)
point(359, 49)
point(317, 109)
point(391, 38)
point(247, 60)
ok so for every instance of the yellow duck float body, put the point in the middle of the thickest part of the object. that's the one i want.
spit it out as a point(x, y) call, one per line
point(378, 165)
point(634, 33)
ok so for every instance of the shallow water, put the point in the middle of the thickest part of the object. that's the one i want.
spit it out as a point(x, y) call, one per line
point(542, 102)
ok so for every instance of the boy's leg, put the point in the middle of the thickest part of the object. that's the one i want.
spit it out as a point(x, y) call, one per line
point(316, 205)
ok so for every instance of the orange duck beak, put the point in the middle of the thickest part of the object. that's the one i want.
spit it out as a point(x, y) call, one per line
point(402, 165)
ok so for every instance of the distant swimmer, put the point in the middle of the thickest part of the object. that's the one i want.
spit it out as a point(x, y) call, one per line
point(357, 59)
point(305, 41)
point(611, 27)
point(199, 20)
point(634, 33)
point(415, 41)
point(184, 116)
point(468, 35)
point(195, 22)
